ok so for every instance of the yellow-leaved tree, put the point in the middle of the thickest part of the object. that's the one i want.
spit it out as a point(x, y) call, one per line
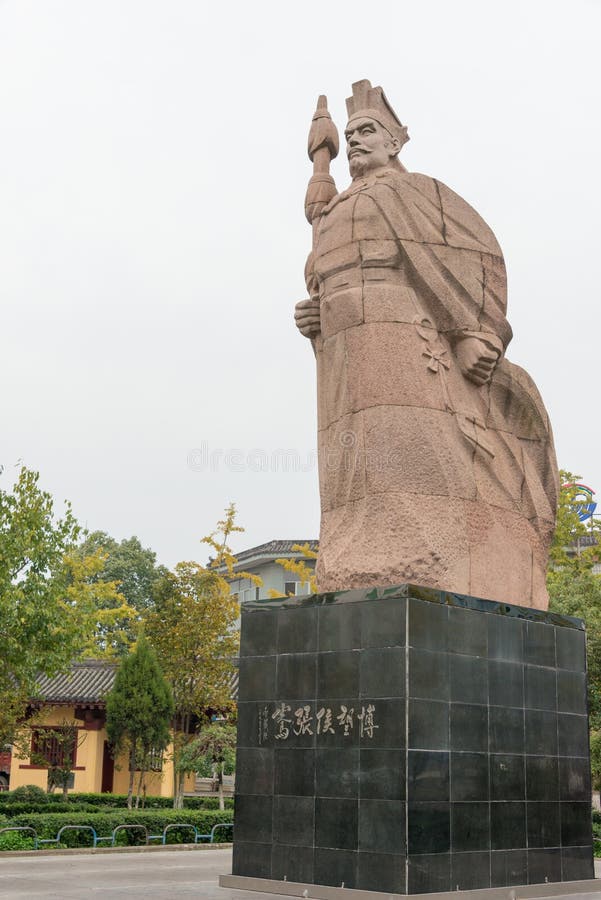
point(193, 630)
point(300, 567)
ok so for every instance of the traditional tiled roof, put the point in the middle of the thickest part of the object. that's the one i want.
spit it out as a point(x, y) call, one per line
point(86, 682)
point(89, 682)
point(272, 550)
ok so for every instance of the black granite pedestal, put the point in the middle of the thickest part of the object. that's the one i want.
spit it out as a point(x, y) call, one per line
point(408, 740)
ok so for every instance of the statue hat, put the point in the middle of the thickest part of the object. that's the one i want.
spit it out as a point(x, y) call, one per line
point(371, 102)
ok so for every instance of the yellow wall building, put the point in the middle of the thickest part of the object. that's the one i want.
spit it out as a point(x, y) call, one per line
point(78, 697)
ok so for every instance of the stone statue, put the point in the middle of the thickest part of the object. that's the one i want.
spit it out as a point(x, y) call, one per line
point(436, 456)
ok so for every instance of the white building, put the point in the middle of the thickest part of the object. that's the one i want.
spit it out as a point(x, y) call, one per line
point(261, 561)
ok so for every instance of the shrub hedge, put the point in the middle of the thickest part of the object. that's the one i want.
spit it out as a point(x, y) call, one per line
point(10, 805)
point(17, 809)
point(48, 824)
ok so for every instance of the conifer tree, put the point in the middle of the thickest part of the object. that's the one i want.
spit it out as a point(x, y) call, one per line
point(138, 712)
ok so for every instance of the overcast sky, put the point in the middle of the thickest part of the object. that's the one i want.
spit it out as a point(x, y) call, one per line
point(153, 239)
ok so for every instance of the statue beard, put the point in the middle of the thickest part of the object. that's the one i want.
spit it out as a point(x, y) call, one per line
point(358, 165)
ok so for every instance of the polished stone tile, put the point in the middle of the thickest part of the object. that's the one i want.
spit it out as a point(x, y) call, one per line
point(382, 774)
point(571, 692)
point(428, 725)
point(469, 679)
point(257, 678)
point(336, 823)
point(429, 828)
point(468, 632)
point(297, 630)
point(508, 825)
point(251, 859)
point(383, 623)
point(505, 683)
point(469, 776)
point(259, 636)
point(542, 778)
point(428, 775)
point(470, 871)
point(540, 688)
point(338, 674)
point(429, 873)
point(541, 732)
point(428, 675)
point(506, 730)
point(253, 820)
point(382, 826)
point(254, 770)
point(255, 726)
point(577, 863)
point(383, 672)
point(507, 777)
point(539, 644)
point(508, 867)
point(292, 723)
point(571, 649)
point(336, 722)
point(469, 727)
point(389, 721)
point(294, 772)
point(544, 866)
point(470, 826)
point(339, 627)
point(543, 824)
point(428, 625)
point(336, 867)
point(576, 827)
point(574, 779)
point(337, 772)
point(294, 820)
point(573, 735)
point(292, 863)
point(296, 675)
point(506, 638)
point(381, 872)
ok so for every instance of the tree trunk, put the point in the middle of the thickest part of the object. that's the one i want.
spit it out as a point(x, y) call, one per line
point(178, 800)
point(179, 777)
point(132, 772)
point(139, 790)
point(220, 787)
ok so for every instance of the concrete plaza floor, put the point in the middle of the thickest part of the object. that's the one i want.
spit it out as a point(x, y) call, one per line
point(165, 874)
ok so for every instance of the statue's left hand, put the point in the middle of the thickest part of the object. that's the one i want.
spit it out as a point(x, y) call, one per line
point(477, 359)
point(306, 317)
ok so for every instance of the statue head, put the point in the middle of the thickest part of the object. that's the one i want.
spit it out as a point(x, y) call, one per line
point(374, 134)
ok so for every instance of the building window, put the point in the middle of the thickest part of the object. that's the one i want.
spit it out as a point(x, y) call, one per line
point(257, 593)
point(155, 760)
point(296, 588)
point(56, 747)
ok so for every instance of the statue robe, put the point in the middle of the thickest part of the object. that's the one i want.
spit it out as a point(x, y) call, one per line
point(424, 476)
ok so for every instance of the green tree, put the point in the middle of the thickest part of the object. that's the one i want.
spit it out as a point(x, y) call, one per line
point(133, 569)
point(138, 712)
point(192, 631)
point(213, 750)
point(54, 749)
point(596, 760)
point(46, 601)
point(127, 562)
point(574, 589)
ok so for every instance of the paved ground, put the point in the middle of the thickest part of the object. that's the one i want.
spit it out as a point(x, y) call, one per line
point(167, 874)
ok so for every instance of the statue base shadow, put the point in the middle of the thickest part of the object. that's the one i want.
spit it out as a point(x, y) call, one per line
point(409, 741)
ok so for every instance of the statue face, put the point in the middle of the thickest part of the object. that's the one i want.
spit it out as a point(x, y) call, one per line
point(368, 146)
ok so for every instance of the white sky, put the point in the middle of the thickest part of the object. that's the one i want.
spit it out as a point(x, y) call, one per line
point(152, 235)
